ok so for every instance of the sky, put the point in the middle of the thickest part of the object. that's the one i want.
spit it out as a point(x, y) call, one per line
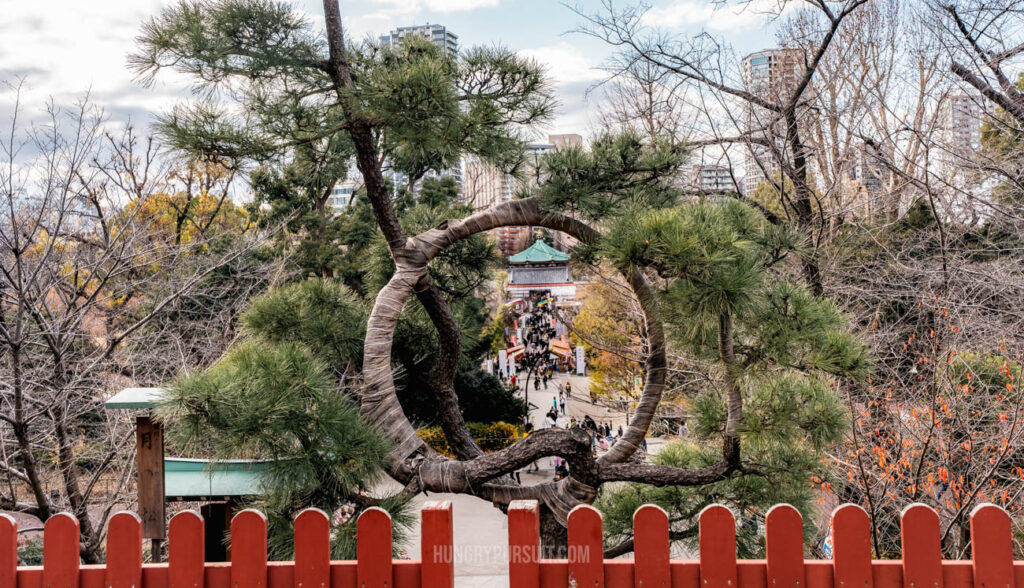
point(63, 49)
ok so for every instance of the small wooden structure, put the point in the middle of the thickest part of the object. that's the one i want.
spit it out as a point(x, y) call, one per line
point(160, 479)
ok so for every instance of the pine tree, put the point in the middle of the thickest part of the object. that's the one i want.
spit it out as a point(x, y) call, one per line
point(282, 397)
point(717, 269)
point(774, 351)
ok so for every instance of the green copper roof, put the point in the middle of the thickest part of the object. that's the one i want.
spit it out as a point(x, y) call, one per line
point(200, 478)
point(539, 252)
point(137, 398)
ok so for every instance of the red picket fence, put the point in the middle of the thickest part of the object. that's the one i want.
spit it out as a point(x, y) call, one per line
point(248, 567)
point(922, 566)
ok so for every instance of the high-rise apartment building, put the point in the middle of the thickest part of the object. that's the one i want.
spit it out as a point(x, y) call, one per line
point(441, 36)
point(437, 34)
point(768, 74)
point(961, 119)
point(485, 185)
point(710, 178)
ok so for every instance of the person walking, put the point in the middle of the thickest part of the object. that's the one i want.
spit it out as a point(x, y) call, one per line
point(563, 406)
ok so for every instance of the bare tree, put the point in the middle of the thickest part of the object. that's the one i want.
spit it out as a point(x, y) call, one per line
point(774, 105)
point(91, 254)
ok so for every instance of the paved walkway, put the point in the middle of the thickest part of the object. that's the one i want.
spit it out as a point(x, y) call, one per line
point(481, 530)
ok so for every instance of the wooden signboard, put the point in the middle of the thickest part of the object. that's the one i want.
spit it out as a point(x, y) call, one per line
point(149, 440)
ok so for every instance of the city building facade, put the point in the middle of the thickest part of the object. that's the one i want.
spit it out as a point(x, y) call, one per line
point(485, 185)
point(437, 34)
point(770, 75)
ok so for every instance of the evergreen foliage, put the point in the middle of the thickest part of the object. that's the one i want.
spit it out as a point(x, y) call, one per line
point(721, 262)
point(279, 397)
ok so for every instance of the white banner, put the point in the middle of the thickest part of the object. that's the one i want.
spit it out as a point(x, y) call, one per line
point(580, 361)
point(503, 361)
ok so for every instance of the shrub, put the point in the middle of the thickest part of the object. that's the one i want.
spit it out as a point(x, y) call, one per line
point(489, 436)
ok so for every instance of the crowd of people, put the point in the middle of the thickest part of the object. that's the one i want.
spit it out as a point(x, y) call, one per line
point(536, 326)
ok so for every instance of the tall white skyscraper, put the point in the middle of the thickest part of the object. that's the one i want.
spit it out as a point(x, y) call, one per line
point(437, 34)
point(441, 36)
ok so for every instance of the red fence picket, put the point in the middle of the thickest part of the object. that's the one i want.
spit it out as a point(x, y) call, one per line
point(373, 549)
point(60, 551)
point(851, 546)
point(249, 550)
point(523, 544)
point(651, 544)
point(784, 547)
point(717, 547)
point(8, 550)
point(586, 551)
point(922, 550)
point(991, 547)
point(437, 556)
point(785, 566)
point(312, 549)
point(124, 551)
point(186, 550)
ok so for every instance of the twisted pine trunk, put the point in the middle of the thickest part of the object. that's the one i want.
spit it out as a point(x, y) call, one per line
point(419, 468)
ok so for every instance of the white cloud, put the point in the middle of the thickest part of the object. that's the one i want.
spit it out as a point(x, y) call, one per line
point(565, 63)
point(67, 48)
point(729, 17)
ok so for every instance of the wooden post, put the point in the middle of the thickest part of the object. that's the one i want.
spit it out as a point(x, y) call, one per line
point(312, 549)
point(185, 551)
point(149, 444)
point(523, 544)
point(61, 551)
point(217, 522)
point(437, 547)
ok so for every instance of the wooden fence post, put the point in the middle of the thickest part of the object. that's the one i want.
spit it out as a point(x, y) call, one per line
point(373, 549)
point(437, 545)
point(8, 550)
point(851, 547)
point(186, 550)
point(523, 544)
point(312, 549)
point(61, 551)
point(124, 551)
point(991, 547)
point(717, 538)
point(784, 547)
point(922, 550)
point(586, 547)
point(249, 550)
point(651, 547)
